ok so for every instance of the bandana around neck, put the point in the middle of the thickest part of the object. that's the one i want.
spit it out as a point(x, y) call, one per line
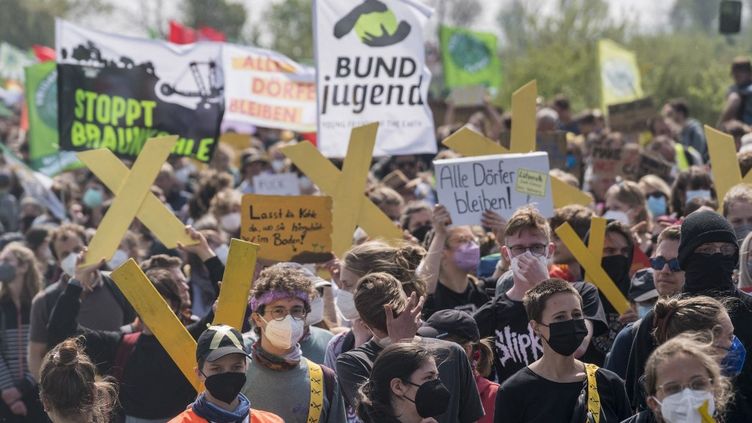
point(275, 362)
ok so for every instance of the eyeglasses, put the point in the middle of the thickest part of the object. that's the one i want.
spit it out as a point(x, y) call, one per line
point(535, 249)
point(698, 383)
point(657, 263)
point(279, 313)
point(709, 249)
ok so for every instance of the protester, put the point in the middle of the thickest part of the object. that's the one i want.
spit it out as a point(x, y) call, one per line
point(708, 253)
point(221, 365)
point(658, 194)
point(555, 311)
point(152, 387)
point(392, 317)
point(663, 279)
point(737, 209)
point(745, 265)
point(737, 104)
point(689, 130)
point(682, 379)
point(565, 265)
point(528, 246)
point(70, 388)
point(691, 184)
point(459, 327)
point(19, 283)
point(280, 379)
point(102, 308)
point(402, 371)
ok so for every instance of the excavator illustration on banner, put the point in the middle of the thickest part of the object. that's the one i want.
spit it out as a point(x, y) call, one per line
point(205, 93)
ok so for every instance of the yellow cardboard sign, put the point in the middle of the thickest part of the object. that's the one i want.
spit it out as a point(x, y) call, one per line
point(531, 182)
point(132, 198)
point(289, 228)
point(592, 266)
point(523, 116)
point(159, 318)
point(596, 241)
point(236, 284)
point(470, 143)
point(350, 206)
point(726, 172)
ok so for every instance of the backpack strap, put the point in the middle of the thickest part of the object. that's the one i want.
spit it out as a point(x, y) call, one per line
point(594, 398)
point(316, 404)
point(124, 351)
point(330, 379)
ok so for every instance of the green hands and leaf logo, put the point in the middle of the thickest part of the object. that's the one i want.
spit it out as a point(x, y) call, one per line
point(469, 53)
point(374, 24)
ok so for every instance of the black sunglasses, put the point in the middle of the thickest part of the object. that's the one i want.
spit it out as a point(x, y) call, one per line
point(657, 263)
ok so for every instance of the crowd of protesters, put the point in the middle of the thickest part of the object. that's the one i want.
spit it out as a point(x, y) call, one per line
point(487, 323)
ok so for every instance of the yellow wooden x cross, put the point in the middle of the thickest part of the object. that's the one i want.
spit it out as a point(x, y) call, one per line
point(726, 172)
point(162, 321)
point(132, 198)
point(470, 143)
point(590, 259)
point(351, 207)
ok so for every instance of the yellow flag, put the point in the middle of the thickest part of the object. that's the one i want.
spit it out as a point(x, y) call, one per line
point(620, 76)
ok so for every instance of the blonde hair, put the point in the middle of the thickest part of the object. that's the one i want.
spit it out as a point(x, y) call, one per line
point(745, 278)
point(630, 194)
point(697, 346)
point(653, 183)
point(400, 261)
point(32, 282)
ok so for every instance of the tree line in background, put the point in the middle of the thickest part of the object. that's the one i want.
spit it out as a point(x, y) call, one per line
point(687, 58)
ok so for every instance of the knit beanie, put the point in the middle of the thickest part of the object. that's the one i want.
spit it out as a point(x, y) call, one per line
point(701, 227)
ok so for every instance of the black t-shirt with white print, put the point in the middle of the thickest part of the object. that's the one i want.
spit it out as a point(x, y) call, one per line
point(515, 343)
point(444, 298)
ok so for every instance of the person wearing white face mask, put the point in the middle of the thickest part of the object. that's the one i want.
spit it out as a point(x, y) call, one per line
point(285, 382)
point(225, 208)
point(528, 247)
point(684, 384)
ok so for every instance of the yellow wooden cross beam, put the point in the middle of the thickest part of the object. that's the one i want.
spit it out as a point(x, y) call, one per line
point(351, 207)
point(724, 164)
point(236, 283)
point(470, 143)
point(132, 198)
point(592, 263)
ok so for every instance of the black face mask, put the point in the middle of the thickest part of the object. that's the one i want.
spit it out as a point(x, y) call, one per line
point(225, 386)
point(431, 399)
point(617, 268)
point(565, 337)
point(709, 272)
point(420, 232)
point(7, 272)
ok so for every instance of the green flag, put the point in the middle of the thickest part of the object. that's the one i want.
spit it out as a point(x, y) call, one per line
point(469, 58)
point(41, 99)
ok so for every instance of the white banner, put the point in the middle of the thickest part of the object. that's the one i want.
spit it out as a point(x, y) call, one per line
point(266, 88)
point(370, 62)
point(501, 183)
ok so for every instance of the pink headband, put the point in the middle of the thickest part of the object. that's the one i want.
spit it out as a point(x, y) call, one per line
point(271, 296)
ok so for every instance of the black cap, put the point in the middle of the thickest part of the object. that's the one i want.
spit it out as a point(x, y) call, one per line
point(642, 287)
point(455, 323)
point(701, 227)
point(218, 341)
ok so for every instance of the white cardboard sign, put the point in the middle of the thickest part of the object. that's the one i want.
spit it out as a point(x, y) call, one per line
point(502, 183)
point(276, 184)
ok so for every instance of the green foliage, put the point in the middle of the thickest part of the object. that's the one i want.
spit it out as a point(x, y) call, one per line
point(225, 16)
point(290, 22)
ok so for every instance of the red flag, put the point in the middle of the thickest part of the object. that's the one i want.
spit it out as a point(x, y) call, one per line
point(639, 260)
point(210, 34)
point(180, 34)
point(309, 136)
point(43, 53)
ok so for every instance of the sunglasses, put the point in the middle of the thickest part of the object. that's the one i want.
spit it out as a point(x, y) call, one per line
point(657, 263)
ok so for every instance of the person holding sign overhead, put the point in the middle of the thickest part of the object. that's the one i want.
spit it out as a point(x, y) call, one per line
point(582, 392)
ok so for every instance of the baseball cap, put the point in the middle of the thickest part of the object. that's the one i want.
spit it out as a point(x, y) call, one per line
point(450, 322)
point(642, 287)
point(218, 341)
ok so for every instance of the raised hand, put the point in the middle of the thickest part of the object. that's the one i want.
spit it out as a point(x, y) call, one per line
point(404, 326)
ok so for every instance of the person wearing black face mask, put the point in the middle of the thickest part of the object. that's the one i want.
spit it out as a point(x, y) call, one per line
point(557, 384)
point(708, 253)
point(221, 359)
point(404, 387)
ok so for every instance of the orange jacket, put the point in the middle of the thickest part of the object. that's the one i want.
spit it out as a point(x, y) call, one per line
point(257, 416)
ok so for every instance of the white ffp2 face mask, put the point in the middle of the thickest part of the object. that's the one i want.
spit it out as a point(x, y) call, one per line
point(618, 216)
point(515, 264)
point(684, 407)
point(68, 265)
point(230, 222)
point(346, 305)
point(317, 311)
point(284, 334)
